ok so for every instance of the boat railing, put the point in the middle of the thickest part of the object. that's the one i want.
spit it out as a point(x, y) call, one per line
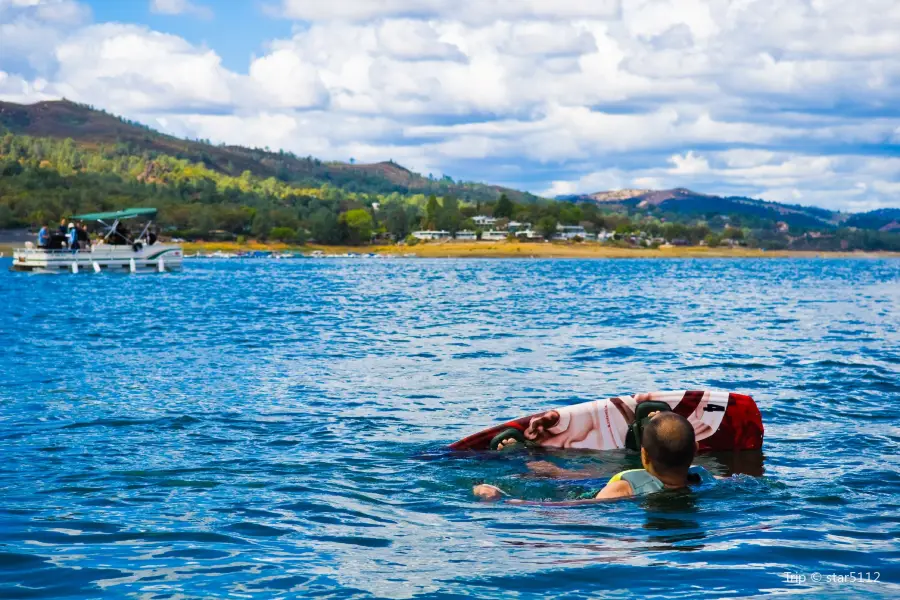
point(54, 251)
point(31, 250)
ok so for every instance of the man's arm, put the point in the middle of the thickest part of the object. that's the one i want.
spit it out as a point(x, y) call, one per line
point(543, 468)
point(615, 489)
point(612, 491)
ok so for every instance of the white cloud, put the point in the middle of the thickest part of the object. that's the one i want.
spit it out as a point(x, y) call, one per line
point(779, 98)
point(62, 11)
point(30, 30)
point(848, 182)
point(287, 81)
point(689, 164)
point(128, 68)
point(479, 11)
point(17, 89)
point(181, 7)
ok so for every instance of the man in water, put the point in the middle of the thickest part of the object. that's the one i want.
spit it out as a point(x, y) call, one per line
point(668, 446)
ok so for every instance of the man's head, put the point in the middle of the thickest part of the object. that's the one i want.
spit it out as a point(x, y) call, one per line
point(668, 444)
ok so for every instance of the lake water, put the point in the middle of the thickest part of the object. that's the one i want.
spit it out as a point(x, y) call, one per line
point(277, 428)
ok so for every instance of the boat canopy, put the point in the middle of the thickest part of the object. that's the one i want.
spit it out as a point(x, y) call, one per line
point(127, 213)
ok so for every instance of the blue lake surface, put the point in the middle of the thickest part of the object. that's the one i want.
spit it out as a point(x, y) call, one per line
point(277, 428)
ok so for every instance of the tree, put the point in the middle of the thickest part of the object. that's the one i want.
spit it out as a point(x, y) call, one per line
point(547, 227)
point(283, 234)
point(6, 217)
point(570, 215)
point(712, 240)
point(449, 217)
point(504, 207)
point(323, 225)
point(399, 219)
point(357, 225)
point(734, 233)
point(431, 212)
point(262, 224)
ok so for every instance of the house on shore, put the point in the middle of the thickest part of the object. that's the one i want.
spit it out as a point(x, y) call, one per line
point(569, 232)
point(484, 221)
point(431, 235)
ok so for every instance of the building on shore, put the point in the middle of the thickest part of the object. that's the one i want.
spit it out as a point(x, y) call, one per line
point(431, 235)
point(569, 232)
point(493, 236)
point(484, 221)
point(466, 235)
point(529, 234)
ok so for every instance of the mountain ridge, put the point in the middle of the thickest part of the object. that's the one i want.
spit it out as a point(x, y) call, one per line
point(688, 202)
point(90, 127)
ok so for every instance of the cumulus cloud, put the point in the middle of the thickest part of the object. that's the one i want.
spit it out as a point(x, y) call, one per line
point(477, 11)
point(17, 89)
point(844, 182)
point(286, 80)
point(689, 164)
point(30, 30)
point(61, 11)
point(785, 99)
point(129, 68)
point(181, 7)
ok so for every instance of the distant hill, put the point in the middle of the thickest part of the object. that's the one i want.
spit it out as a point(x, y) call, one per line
point(617, 195)
point(89, 127)
point(884, 219)
point(93, 129)
point(689, 204)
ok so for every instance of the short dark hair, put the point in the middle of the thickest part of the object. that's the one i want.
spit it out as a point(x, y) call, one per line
point(669, 441)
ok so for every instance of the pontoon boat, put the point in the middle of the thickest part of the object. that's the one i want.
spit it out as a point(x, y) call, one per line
point(117, 252)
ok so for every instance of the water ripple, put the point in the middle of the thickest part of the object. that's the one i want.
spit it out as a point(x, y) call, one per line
point(279, 429)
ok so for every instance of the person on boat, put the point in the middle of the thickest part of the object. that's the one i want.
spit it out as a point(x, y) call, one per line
point(43, 238)
point(121, 236)
point(84, 238)
point(62, 226)
point(668, 446)
point(73, 238)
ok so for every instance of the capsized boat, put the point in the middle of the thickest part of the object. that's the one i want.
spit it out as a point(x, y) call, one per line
point(118, 251)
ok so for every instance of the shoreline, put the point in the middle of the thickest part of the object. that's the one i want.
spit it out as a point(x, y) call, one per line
point(506, 250)
point(528, 250)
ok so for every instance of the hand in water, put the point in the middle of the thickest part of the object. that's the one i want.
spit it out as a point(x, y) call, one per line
point(544, 468)
point(487, 492)
point(507, 443)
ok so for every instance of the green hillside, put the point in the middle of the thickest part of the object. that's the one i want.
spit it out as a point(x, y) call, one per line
point(60, 158)
point(92, 129)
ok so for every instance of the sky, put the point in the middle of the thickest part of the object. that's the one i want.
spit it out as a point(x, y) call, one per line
point(790, 100)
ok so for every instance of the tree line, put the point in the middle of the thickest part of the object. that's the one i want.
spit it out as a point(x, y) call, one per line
point(44, 179)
